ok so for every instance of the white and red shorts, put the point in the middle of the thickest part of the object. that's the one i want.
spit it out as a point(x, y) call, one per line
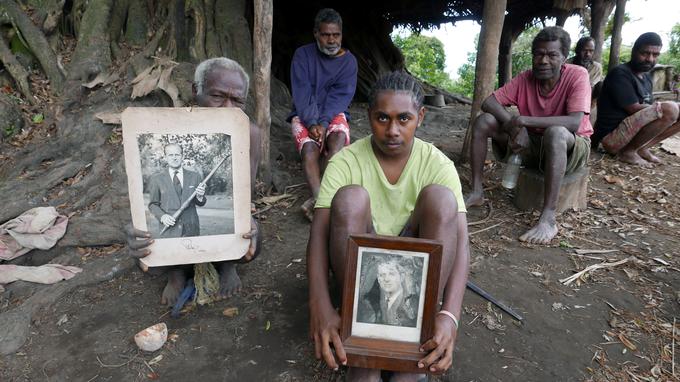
point(301, 134)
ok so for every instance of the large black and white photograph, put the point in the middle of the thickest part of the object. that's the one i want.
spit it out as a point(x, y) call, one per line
point(389, 294)
point(188, 175)
point(188, 187)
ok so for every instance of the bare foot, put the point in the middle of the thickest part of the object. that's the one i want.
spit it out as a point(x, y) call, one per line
point(230, 283)
point(647, 155)
point(359, 374)
point(177, 279)
point(634, 158)
point(308, 208)
point(475, 199)
point(542, 233)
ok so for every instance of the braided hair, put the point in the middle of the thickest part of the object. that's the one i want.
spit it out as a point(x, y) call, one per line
point(398, 81)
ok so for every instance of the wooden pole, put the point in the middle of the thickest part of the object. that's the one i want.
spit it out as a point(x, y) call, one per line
point(599, 13)
point(505, 54)
point(615, 49)
point(487, 59)
point(262, 61)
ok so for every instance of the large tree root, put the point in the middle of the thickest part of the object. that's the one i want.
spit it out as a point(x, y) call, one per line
point(37, 42)
point(15, 69)
point(16, 323)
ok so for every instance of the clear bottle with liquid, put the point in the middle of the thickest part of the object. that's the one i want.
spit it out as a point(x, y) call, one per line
point(511, 172)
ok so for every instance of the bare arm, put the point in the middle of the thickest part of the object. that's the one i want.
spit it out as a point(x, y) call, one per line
point(440, 346)
point(455, 286)
point(634, 108)
point(493, 107)
point(324, 321)
point(511, 124)
point(571, 121)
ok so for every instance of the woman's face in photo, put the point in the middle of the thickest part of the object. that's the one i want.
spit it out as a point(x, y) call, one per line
point(389, 278)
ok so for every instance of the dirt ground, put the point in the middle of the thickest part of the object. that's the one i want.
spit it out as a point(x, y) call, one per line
point(613, 324)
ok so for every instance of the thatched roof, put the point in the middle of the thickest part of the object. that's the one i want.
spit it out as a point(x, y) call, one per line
point(427, 14)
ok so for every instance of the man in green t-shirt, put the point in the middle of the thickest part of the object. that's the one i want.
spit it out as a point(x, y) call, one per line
point(389, 183)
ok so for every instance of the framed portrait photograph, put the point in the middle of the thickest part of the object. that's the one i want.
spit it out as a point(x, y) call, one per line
point(188, 173)
point(389, 300)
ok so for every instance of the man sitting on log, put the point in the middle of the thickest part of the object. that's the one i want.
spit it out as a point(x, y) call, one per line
point(585, 48)
point(323, 78)
point(551, 131)
point(629, 121)
point(218, 82)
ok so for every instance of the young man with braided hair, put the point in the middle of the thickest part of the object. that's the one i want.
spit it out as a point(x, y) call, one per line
point(389, 183)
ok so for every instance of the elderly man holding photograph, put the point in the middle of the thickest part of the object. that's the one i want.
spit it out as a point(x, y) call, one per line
point(218, 82)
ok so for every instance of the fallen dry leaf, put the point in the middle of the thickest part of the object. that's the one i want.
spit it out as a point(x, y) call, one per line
point(230, 312)
point(626, 342)
point(613, 179)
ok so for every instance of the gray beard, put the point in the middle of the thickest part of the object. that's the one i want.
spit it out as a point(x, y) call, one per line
point(328, 51)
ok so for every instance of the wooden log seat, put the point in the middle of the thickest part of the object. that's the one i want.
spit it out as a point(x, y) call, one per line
point(573, 193)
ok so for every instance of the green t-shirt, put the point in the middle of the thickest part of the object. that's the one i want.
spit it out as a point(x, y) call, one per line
point(391, 204)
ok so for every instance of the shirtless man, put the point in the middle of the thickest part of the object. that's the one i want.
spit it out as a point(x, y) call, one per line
point(551, 132)
point(218, 82)
point(629, 122)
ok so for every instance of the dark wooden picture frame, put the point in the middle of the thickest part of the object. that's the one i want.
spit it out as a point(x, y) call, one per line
point(386, 353)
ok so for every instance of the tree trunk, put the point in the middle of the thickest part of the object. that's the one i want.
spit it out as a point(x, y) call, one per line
point(487, 57)
point(93, 53)
point(262, 57)
point(600, 10)
point(619, 18)
point(505, 54)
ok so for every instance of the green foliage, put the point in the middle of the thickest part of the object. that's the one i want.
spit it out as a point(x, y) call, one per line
point(672, 56)
point(10, 130)
point(465, 84)
point(624, 55)
point(609, 28)
point(521, 50)
point(425, 58)
point(38, 118)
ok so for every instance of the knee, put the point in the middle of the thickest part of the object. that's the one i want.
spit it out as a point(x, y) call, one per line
point(670, 111)
point(438, 202)
point(483, 125)
point(310, 151)
point(555, 138)
point(349, 202)
point(335, 142)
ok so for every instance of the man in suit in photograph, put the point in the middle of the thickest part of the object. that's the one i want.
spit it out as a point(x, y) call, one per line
point(171, 187)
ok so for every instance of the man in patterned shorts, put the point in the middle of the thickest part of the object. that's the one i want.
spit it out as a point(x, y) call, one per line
point(323, 78)
point(629, 122)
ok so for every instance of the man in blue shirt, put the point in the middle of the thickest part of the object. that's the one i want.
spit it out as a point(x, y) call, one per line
point(323, 80)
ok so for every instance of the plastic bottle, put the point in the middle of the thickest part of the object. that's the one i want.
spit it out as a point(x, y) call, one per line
point(512, 171)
